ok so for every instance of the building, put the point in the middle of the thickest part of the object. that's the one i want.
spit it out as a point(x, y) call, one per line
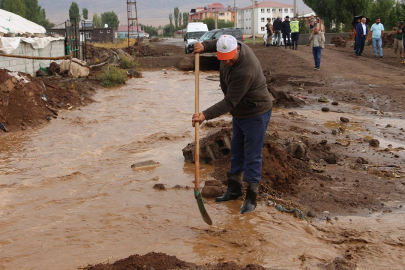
point(320, 23)
point(101, 35)
point(212, 11)
point(262, 11)
point(123, 31)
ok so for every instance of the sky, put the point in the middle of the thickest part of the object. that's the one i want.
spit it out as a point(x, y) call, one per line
point(150, 12)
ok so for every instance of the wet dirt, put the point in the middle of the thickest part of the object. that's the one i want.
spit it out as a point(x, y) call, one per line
point(68, 192)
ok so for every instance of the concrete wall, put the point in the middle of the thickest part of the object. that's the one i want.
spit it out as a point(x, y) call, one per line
point(54, 49)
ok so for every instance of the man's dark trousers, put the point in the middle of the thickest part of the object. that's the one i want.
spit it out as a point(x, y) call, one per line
point(295, 37)
point(360, 43)
point(247, 145)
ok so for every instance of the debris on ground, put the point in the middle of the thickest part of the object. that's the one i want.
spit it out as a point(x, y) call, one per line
point(26, 101)
point(143, 164)
point(340, 41)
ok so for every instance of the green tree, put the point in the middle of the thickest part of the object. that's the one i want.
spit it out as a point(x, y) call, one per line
point(33, 12)
point(43, 20)
point(74, 12)
point(96, 21)
point(386, 10)
point(325, 9)
point(171, 24)
point(180, 21)
point(151, 30)
point(224, 24)
point(185, 18)
point(110, 18)
point(85, 13)
point(176, 18)
point(210, 22)
point(15, 6)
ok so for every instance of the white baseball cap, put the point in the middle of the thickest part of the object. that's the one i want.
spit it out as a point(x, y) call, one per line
point(226, 47)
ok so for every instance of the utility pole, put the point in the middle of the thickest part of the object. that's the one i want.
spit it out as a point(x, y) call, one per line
point(234, 14)
point(131, 9)
point(216, 19)
point(253, 21)
point(295, 8)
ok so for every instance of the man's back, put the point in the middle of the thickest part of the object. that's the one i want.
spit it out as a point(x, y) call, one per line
point(277, 25)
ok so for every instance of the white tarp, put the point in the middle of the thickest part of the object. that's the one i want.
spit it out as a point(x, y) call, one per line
point(76, 68)
point(10, 22)
point(10, 44)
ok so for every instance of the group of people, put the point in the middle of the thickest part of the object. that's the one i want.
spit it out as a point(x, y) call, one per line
point(361, 32)
point(287, 31)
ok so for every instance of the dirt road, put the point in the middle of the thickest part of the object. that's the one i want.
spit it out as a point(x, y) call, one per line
point(70, 198)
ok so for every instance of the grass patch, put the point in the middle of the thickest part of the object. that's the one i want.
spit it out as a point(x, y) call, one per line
point(128, 62)
point(112, 76)
point(122, 43)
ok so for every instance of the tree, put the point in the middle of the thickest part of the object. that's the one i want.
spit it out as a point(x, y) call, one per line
point(96, 21)
point(15, 6)
point(224, 24)
point(210, 22)
point(171, 24)
point(110, 18)
point(176, 17)
point(151, 30)
point(43, 20)
point(33, 12)
point(325, 9)
point(180, 26)
point(185, 18)
point(85, 13)
point(74, 12)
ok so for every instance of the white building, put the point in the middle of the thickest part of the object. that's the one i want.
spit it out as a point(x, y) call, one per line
point(262, 11)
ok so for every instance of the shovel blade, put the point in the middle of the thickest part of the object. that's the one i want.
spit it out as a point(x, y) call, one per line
point(200, 202)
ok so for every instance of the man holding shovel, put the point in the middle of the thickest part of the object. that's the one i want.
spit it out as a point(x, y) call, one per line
point(249, 102)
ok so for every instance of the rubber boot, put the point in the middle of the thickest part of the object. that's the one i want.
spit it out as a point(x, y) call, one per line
point(234, 190)
point(250, 201)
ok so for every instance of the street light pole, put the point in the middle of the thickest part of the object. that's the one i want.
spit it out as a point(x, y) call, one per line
point(253, 21)
point(234, 14)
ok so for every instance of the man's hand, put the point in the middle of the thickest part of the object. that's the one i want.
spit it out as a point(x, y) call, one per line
point(198, 48)
point(198, 118)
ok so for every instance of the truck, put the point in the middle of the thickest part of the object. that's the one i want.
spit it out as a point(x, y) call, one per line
point(194, 31)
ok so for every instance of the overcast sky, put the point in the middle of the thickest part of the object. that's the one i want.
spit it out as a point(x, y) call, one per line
point(151, 12)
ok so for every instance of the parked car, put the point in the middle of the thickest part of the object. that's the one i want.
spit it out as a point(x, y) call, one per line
point(216, 33)
point(194, 31)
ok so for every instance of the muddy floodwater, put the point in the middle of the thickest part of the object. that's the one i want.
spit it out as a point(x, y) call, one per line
point(68, 195)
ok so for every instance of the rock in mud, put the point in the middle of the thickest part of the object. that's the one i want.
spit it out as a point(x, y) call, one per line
point(282, 99)
point(317, 167)
point(323, 100)
point(213, 183)
point(148, 163)
point(159, 187)
point(311, 214)
point(332, 159)
point(178, 187)
point(335, 103)
point(298, 150)
point(344, 119)
point(374, 143)
point(211, 191)
point(325, 109)
point(361, 160)
point(186, 63)
point(334, 132)
point(215, 146)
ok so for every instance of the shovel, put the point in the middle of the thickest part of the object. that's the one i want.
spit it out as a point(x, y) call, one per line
point(197, 193)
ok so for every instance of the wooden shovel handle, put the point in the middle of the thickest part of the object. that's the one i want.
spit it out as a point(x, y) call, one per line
point(197, 125)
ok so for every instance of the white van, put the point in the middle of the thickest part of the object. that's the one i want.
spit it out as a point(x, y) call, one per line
point(194, 31)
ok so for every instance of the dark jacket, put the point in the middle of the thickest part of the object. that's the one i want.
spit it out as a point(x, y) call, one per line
point(286, 27)
point(360, 32)
point(277, 25)
point(243, 85)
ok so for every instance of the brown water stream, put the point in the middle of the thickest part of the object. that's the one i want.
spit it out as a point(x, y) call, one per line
point(68, 195)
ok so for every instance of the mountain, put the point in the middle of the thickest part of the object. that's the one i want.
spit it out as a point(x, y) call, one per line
point(151, 12)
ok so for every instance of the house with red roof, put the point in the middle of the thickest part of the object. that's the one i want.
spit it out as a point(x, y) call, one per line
point(249, 17)
point(212, 11)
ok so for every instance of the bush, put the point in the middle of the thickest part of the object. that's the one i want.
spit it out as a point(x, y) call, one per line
point(128, 62)
point(112, 76)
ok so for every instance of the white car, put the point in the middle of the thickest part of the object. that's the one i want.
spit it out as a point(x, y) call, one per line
point(195, 30)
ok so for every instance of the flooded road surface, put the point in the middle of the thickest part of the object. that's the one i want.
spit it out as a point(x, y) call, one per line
point(68, 195)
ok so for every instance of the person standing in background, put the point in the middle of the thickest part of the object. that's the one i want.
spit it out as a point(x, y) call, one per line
point(398, 39)
point(277, 27)
point(286, 30)
point(355, 33)
point(295, 32)
point(312, 22)
point(317, 43)
point(377, 30)
point(269, 28)
point(362, 32)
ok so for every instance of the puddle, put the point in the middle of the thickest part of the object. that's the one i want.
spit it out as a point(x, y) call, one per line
point(69, 196)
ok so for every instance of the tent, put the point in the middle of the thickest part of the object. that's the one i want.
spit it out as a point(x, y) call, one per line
point(10, 22)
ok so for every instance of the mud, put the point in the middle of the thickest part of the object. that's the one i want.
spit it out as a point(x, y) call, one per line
point(25, 105)
point(68, 191)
